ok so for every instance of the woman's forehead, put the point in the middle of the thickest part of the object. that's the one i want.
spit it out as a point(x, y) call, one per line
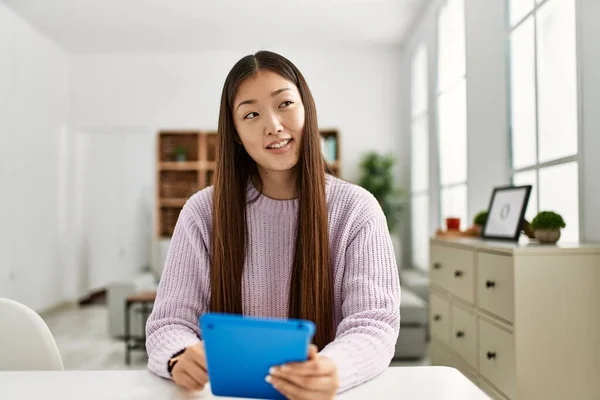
point(263, 84)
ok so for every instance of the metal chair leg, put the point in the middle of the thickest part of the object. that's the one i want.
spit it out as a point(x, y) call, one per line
point(127, 334)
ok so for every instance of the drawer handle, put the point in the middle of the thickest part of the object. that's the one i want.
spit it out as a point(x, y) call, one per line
point(490, 284)
point(437, 266)
point(460, 334)
point(458, 273)
point(437, 317)
point(491, 354)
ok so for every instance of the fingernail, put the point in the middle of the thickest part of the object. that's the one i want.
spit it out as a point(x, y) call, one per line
point(268, 378)
point(272, 371)
point(284, 367)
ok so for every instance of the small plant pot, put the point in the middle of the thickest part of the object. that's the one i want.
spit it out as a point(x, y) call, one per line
point(547, 236)
point(478, 229)
point(180, 157)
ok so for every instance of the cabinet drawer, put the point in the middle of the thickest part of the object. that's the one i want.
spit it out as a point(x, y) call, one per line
point(439, 273)
point(462, 274)
point(495, 285)
point(454, 270)
point(497, 357)
point(463, 334)
point(439, 318)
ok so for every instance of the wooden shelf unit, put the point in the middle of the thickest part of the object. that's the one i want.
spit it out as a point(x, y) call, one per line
point(177, 180)
point(330, 147)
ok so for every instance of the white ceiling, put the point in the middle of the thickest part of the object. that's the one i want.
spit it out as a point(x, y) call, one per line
point(92, 26)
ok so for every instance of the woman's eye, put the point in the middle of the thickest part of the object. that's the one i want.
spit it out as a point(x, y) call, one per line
point(250, 115)
point(286, 103)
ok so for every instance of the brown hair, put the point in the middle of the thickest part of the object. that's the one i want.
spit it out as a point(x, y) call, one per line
point(311, 282)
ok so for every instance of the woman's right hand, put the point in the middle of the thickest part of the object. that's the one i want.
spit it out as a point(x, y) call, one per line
point(191, 372)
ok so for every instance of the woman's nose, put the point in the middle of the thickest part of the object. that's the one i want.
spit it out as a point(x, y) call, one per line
point(273, 125)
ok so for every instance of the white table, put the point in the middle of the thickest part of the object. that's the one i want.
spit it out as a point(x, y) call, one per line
point(423, 383)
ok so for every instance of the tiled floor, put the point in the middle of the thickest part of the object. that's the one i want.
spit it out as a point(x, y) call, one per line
point(84, 343)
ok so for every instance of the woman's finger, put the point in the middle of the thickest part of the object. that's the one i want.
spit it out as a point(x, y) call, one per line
point(200, 362)
point(288, 389)
point(192, 371)
point(314, 384)
point(313, 351)
point(316, 367)
point(187, 382)
point(198, 356)
point(197, 373)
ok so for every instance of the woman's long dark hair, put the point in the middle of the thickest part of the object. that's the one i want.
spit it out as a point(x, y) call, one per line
point(311, 293)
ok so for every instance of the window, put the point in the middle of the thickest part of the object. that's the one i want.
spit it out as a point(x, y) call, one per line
point(420, 160)
point(543, 106)
point(452, 112)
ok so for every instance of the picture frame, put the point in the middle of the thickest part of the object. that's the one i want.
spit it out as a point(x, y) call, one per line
point(506, 212)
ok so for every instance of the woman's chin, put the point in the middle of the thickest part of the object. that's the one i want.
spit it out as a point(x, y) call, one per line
point(280, 166)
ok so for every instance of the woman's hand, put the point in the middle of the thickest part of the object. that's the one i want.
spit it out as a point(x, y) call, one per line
point(316, 378)
point(191, 371)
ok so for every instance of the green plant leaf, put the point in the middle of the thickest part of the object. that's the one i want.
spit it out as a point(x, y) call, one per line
point(480, 218)
point(548, 220)
point(377, 176)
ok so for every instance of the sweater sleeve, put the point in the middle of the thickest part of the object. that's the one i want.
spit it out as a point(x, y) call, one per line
point(366, 337)
point(182, 295)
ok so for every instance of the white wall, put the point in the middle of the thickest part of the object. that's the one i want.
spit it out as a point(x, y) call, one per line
point(6, 124)
point(424, 33)
point(488, 147)
point(487, 137)
point(588, 12)
point(356, 89)
point(488, 144)
point(34, 82)
point(55, 104)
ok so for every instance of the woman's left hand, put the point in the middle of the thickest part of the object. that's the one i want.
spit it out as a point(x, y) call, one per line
point(316, 378)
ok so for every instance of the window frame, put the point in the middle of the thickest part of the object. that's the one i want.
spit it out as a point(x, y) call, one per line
point(538, 166)
point(463, 79)
point(419, 117)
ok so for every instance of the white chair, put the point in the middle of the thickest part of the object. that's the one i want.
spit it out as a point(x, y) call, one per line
point(26, 343)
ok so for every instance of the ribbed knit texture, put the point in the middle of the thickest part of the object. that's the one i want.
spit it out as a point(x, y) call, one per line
point(365, 278)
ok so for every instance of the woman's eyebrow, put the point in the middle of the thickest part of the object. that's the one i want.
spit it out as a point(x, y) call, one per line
point(252, 101)
point(275, 93)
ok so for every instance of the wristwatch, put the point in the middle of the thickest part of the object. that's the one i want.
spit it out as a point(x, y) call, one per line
point(173, 360)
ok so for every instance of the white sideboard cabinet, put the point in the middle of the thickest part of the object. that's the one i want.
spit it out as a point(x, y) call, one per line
point(522, 320)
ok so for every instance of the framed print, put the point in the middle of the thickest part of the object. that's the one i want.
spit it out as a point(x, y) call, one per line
point(506, 212)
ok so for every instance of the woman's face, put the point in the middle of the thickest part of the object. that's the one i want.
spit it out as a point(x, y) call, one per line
point(269, 117)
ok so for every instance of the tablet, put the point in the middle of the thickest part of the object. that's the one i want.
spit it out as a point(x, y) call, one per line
point(241, 349)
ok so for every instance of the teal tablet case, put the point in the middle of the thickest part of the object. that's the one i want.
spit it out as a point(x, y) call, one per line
point(241, 349)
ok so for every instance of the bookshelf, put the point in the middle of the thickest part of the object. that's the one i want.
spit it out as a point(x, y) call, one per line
point(185, 163)
point(330, 146)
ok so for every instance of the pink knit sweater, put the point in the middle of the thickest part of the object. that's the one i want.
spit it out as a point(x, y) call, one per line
point(365, 278)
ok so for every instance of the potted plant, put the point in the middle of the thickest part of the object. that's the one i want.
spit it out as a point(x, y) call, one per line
point(180, 153)
point(377, 176)
point(547, 225)
point(479, 221)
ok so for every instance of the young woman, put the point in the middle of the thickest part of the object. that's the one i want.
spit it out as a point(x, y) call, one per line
point(277, 235)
